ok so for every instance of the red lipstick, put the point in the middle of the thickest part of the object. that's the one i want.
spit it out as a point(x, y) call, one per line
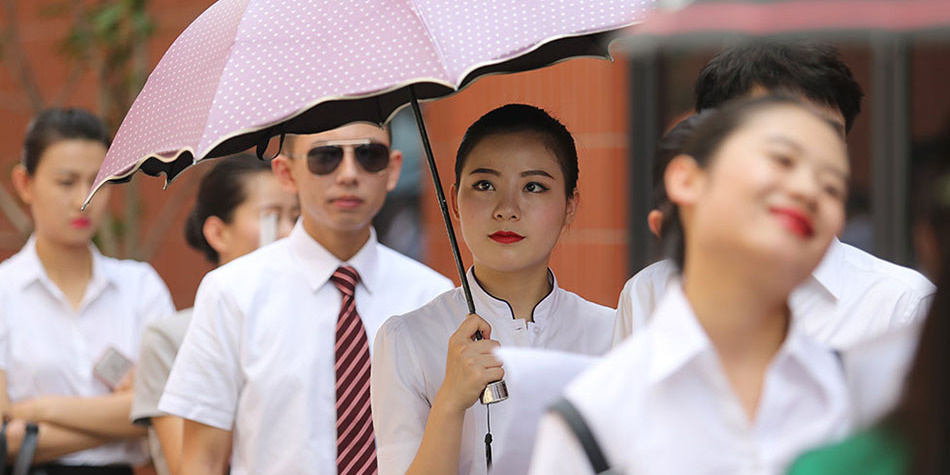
point(506, 237)
point(81, 222)
point(795, 221)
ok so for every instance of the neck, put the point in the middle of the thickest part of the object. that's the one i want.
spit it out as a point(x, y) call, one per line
point(743, 320)
point(68, 267)
point(522, 290)
point(342, 244)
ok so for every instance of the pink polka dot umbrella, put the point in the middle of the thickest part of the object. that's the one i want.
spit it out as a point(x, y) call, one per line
point(248, 70)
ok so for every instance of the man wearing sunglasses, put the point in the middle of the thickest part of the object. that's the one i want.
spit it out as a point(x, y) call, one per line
point(277, 354)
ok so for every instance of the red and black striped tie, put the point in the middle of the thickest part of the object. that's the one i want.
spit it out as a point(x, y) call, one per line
point(355, 442)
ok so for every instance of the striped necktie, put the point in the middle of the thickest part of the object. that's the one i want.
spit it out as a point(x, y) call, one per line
point(355, 442)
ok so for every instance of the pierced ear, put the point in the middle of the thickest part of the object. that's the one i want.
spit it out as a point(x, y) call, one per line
point(282, 166)
point(216, 234)
point(21, 182)
point(395, 166)
point(683, 179)
point(454, 202)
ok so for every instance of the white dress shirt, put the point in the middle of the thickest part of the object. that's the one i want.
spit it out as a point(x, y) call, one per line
point(258, 356)
point(47, 348)
point(409, 366)
point(661, 403)
point(851, 297)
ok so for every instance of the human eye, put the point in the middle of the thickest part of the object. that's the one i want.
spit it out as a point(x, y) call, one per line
point(783, 159)
point(535, 187)
point(483, 185)
point(834, 190)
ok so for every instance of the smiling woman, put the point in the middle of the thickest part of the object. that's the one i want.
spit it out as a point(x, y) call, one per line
point(514, 196)
point(67, 312)
point(721, 370)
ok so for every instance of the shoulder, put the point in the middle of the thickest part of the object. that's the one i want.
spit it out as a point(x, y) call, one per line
point(657, 274)
point(168, 331)
point(399, 267)
point(250, 269)
point(12, 270)
point(888, 275)
point(426, 318)
point(584, 308)
point(137, 276)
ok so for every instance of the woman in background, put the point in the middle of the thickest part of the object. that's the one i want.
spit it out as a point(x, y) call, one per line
point(70, 318)
point(240, 206)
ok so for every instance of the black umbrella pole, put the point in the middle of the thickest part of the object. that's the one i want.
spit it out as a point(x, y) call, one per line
point(496, 391)
point(437, 182)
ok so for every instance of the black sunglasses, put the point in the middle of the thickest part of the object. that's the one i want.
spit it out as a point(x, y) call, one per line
point(324, 159)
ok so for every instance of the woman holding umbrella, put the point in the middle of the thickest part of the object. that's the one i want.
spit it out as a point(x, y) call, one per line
point(67, 313)
point(515, 193)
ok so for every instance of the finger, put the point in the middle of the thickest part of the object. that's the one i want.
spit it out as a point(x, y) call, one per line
point(483, 347)
point(488, 361)
point(473, 323)
point(494, 374)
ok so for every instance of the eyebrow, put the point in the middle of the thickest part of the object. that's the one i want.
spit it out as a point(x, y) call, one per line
point(490, 171)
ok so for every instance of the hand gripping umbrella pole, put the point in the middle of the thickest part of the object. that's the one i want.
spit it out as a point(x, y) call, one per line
point(495, 391)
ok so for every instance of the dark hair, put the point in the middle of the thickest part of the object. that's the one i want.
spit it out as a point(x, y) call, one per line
point(922, 417)
point(669, 146)
point(702, 145)
point(55, 125)
point(514, 118)
point(814, 70)
point(221, 191)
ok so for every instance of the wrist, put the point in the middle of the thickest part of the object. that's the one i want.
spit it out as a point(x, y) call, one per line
point(447, 406)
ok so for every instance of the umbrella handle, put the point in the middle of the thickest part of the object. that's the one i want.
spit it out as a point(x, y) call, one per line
point(496, 391)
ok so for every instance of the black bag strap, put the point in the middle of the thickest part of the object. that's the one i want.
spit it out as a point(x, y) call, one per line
point(25, 457)
point(582, 431)
point(3, 445)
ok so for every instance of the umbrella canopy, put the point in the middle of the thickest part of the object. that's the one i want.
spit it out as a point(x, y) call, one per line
point(248, 70)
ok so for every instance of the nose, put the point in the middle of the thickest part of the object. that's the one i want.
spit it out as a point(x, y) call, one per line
point(804, 186)
point(507, 207)
point(348, 170)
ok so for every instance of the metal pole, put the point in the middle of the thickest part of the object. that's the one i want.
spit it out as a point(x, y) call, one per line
point(890, 147)
point(645, 130)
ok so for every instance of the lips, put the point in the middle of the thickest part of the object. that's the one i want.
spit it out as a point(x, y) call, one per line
point(81, 222)
point(506, 237)
point(346, 202)
point(795, 221)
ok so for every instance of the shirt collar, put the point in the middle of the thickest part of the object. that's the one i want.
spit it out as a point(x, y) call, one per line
point(31, 268)
point(487, 305)
point(678, 339)
point(31, 271)
point(828, 273)
point(318, 264)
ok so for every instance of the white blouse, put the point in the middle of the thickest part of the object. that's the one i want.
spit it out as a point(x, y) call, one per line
point(661, 403)
point(47, 348)
point(409, 365)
